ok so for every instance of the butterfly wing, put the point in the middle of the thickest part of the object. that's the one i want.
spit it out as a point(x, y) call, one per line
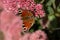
point(28, 19)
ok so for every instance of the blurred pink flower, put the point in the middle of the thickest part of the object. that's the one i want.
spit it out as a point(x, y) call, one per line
point(39, 6)
point(32, 6)
point(24, 4)
point(39, 11)
point(9, 5)
point(38, 35)
point(11, 26)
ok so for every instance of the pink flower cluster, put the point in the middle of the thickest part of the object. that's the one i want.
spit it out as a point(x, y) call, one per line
point(11, 25)
point(31, 5)
point(37, 35)
point(39, 10)
point(26, 4)
point(13, 5)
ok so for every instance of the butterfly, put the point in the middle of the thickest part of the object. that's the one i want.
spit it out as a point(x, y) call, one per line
point(27, 17)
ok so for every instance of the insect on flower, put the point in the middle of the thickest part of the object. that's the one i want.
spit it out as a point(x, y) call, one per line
point(27, 17)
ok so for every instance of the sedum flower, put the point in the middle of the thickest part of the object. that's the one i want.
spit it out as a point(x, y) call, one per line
point(37, 35)
point(11, 26)
point(39, 11)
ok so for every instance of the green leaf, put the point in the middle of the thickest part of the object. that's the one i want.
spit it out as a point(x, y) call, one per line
point(31, 30)
point(40, 27)
point(58, 8)
point(50, 2)
point(51, 17)
point(50, 10)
